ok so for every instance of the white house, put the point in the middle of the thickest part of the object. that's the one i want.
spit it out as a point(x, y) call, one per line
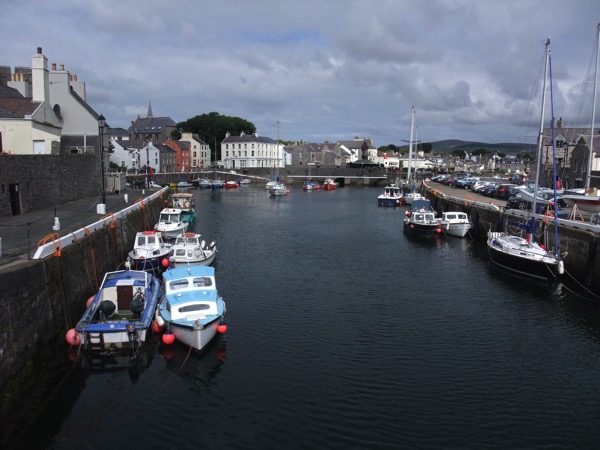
point(28, 124)
point(125, 155)
point(250, 150)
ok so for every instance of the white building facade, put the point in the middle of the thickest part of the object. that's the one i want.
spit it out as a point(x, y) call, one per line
point(251, 151)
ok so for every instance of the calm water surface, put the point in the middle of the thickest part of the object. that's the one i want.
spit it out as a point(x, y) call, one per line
point(345, 333)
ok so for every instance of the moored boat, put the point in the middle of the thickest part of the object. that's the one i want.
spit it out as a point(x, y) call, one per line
point(311, 185)
point(329, 184)
point(278, 190)
point(191, 249)
point(391, 196)
point(185, 202)
point(192, 311)
point(149, 251)
point(522, 254)
point(420, 220)
point(455, 223)
point(119, 315)
point(231, 184)
point(171, 224)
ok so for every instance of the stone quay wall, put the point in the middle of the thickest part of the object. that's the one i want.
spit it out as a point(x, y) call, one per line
point(47, 180)
point(43, 299)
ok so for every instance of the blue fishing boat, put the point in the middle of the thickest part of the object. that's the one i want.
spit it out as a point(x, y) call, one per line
point(192, 311)
point(119, 314)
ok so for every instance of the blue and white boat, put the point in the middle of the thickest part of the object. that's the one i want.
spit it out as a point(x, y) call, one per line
point(391, 196)
point(192, 309)
point(120, 314)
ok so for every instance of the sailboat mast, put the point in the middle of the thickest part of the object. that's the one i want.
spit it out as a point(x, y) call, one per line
point(554, 179)
point(541, 133)
point(591, 155)
point(410, 143)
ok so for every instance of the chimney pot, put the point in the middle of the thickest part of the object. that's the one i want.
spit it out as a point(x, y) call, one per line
point(62, 67)
point(53, 66)
point(39, 50)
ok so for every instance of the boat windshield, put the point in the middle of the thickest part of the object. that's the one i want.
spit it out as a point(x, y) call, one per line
point(202, 281)
point(166, 217)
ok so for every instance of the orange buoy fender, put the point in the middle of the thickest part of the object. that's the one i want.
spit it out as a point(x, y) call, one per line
point(73, 337)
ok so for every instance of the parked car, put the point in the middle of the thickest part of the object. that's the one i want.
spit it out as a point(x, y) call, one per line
point(503, 190)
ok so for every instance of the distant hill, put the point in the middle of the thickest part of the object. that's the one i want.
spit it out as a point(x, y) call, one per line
point(449, 145)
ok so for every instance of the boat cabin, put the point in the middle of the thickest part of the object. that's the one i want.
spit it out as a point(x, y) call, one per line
point(181, 200)
point(148, 244)
point(170, 215)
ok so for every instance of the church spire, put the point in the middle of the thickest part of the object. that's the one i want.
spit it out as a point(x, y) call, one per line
point(150, 109)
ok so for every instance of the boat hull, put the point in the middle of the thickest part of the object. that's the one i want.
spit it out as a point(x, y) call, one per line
point(389, 201)
point(195, 336)
point(153, 264)
point(456, 229)
point(516, 255)
point(585, 203)
point(432, 230)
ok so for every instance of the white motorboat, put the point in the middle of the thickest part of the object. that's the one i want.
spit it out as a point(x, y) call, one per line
point(149, 251)
point(171, 223)
point(190, 249)
point(455, 223)
point(192, 311)
point(278, 189)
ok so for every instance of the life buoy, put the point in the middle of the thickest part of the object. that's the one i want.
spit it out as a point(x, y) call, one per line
point(149, 232)
point(186, 204)
point(189, 234)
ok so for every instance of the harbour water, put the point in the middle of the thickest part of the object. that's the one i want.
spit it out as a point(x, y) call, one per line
point(345, 333)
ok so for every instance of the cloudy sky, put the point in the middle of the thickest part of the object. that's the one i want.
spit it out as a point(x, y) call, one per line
point(322, 69)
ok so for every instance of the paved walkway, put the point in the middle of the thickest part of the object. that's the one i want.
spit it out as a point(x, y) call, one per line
point(19, 235)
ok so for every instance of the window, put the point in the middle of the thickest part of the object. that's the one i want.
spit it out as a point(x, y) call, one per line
point(179, 284)
point(195, 307)
point(202, 281)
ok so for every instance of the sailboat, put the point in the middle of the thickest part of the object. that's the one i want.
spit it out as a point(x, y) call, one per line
point(522, 255)
point(410, 193)
point(589, 201)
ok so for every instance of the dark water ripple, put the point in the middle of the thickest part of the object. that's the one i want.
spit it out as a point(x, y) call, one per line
point(345, 333)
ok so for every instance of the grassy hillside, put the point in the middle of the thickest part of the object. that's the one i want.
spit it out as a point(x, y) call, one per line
point(448, 146)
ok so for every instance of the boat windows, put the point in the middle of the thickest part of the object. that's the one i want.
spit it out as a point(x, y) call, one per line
point(178, 284)
point(194, 307)
point(202, 281)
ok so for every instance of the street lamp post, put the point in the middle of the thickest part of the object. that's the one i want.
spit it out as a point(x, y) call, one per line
point(147, 163)
point(101, 125)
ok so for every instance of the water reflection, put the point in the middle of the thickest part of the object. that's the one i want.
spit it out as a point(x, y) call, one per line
point(196, 367)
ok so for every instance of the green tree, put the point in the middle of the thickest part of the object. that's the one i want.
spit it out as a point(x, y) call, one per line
point(459, 153)
point(426, 147)
point(212, 128)
point(479, 152)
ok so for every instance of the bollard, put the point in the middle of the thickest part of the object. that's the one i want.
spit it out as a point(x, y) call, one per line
point(56, 226)
point(126, 198)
